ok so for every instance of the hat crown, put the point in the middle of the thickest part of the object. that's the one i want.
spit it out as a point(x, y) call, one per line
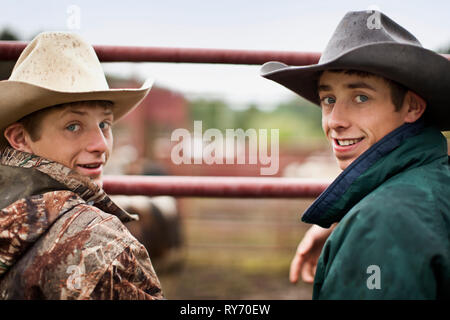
point(359, 28)
point(60, 61)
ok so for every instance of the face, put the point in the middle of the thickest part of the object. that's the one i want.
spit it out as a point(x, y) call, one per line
point(356, 113)
point(78, 137)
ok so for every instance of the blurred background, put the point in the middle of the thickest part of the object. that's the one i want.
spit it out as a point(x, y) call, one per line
point(207, 248)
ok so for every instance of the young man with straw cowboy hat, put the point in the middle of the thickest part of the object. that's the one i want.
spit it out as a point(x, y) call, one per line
point(384, 101)
point(61, 237)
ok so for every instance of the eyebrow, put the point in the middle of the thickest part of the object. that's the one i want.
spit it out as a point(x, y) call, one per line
point(324, 87)
point(352, 85)
point(107, 112)
point(360, 85)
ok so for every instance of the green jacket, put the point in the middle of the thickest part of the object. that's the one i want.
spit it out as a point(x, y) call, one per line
point(393, 209)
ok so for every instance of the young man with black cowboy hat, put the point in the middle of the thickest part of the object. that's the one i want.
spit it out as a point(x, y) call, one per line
point(384, 101)
point(61, 237)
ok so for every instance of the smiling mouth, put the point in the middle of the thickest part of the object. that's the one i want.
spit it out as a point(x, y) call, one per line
point(347, 142)
point(90, 166)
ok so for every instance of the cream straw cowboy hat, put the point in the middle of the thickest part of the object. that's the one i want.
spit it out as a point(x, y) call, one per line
point(386, 49)
point(55, 68)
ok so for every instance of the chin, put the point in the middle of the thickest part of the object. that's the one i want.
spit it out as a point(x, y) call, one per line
point(343, 164)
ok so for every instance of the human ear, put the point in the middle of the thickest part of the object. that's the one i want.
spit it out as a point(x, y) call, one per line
point(416, 106)
point(17, 137)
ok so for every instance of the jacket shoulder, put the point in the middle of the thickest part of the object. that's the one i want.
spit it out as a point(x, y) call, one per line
point(419, 197)
point(80, 244)
point(84, 242)
point(398, 229)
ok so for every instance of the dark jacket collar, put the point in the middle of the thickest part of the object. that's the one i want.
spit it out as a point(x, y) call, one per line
point(408, 146)
point(24, 174)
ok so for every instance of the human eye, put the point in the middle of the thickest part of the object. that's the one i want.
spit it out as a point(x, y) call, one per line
point(327, 101)
point(104, 125)
point(361, 98)
point(73, 127)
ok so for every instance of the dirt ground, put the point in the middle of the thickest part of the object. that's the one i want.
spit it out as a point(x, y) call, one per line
point(235, 249)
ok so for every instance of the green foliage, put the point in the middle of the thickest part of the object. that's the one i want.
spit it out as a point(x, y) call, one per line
point(7, 66)
point(9, 35)
point(212, 113)
point(296, 120)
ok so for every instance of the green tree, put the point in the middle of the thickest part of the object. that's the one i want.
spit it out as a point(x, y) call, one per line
point(213, 113)
point(298, 121)
point(7, 66)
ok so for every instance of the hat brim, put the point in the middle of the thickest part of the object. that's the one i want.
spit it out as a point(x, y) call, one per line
point(420, 70)
point(22, 98)
point(19, 99)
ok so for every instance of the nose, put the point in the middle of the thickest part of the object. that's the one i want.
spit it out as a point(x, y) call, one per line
point(97, 142)
point(338, 118)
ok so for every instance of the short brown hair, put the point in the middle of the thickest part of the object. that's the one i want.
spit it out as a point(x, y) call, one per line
point(32, 122)
point(398, 91)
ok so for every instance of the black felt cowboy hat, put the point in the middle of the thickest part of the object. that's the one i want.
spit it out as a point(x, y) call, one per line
point(372, 42)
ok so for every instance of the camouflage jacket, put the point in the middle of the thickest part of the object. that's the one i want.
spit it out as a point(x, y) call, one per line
point(61, 237)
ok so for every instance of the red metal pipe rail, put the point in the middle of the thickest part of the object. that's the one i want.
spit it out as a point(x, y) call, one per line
point(10, 50)
point(193, 55)
point(220, 187)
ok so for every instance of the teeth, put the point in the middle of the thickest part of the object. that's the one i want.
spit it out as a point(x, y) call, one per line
point(348, 142)
point(90, 166)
